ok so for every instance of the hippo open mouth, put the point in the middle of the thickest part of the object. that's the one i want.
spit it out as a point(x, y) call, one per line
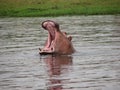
point(49, 45)
point(51, 39)
point(57, 41)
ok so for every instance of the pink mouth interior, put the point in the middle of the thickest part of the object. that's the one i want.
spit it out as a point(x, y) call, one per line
point(50, 27)
point(51, 38)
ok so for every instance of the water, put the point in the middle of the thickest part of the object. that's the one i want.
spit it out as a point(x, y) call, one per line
point(94, 66)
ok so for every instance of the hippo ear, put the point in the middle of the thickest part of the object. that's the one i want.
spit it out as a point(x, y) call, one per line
point(70, 38)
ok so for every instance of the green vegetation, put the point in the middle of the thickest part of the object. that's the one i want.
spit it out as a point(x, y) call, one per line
point(25, 8)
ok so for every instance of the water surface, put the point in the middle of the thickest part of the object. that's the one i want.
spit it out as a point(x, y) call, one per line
point(94, 66)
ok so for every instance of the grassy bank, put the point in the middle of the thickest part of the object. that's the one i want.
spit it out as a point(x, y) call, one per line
point(25, 8)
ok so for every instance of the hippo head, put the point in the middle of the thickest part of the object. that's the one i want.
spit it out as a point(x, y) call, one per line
point(57, 41)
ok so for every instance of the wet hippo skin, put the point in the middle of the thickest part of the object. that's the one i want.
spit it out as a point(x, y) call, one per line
point(57, 41)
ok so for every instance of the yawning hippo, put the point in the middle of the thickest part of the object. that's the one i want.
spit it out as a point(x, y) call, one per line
point(57, 42)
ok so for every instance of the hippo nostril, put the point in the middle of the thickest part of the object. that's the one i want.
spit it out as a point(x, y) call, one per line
point(51, 48)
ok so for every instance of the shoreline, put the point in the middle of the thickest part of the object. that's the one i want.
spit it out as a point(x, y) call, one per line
point(54, 8)
point(109, 15)
point(117, 14)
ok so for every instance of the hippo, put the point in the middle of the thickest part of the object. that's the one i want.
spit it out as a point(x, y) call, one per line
point(57, 41)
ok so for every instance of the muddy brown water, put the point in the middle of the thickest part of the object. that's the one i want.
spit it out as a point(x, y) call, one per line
point(94, 66)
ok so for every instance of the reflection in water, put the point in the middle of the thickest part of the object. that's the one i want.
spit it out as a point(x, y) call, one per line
point(56, 67)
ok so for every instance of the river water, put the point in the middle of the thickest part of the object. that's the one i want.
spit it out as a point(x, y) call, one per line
point(94, 66)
